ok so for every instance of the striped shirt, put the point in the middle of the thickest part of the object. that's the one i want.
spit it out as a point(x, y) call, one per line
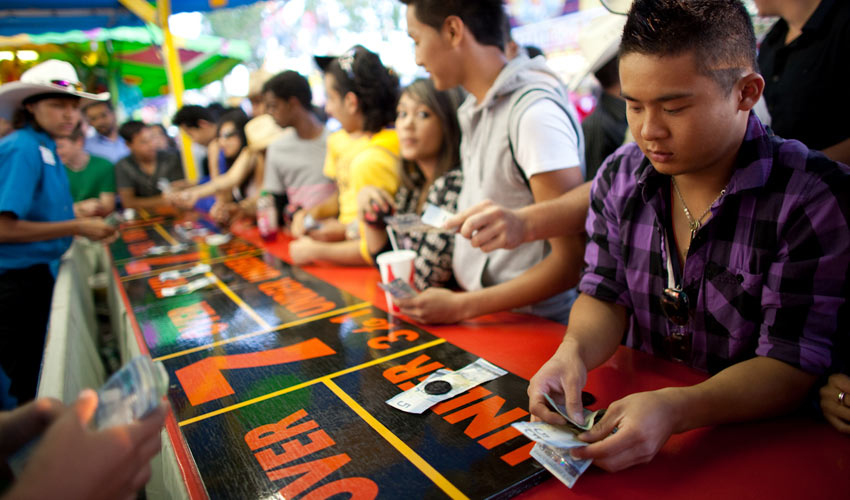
point(767, 275)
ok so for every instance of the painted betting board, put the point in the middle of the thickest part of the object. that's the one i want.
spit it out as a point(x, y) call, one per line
point(278, 381)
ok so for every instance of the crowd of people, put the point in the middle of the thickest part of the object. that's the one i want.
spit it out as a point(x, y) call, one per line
point(674, 220)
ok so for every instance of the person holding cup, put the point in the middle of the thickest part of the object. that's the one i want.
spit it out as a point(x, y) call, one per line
point(429, 135)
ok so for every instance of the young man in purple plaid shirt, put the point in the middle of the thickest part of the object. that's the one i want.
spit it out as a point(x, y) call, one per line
point(710, 242)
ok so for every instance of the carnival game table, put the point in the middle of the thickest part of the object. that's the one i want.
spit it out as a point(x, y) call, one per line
point(279, 377)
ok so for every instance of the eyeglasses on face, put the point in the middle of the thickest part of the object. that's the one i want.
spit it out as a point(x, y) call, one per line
point(228, 135)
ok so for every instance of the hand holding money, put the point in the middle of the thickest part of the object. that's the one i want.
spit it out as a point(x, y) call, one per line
point(490, 227)
point(632, 431)
point(562, 378)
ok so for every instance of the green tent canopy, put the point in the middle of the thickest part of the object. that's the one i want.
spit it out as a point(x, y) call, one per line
point(133, 55)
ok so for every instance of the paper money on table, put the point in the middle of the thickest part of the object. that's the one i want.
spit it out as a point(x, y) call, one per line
point(399, 288)
point(589, 416)
point(447, 383)
point(185, 273)
point(189, 287)
point(164, 249)
point(560, 463)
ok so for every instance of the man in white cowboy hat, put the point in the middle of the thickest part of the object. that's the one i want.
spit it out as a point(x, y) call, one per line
point(36, 212)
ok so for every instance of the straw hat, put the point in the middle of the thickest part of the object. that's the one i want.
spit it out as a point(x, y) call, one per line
point(256, 80)
point(598, 41)
point(50, 77)
point(261, 131)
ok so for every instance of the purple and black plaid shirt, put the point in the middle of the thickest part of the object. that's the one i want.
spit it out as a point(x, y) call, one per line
point(767, 275)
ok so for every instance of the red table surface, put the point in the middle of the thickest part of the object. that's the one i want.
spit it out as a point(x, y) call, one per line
point(793, 457)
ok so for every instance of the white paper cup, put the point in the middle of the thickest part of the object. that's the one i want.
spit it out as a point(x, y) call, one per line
point(393, 265)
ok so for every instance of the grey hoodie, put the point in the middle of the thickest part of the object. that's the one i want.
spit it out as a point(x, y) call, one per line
point(489, 172)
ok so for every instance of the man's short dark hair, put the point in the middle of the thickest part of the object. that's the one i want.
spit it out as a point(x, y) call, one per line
point(191, 115)
point(77, 134)
point(130, 130)
point(90, 104)
point(718, 32)
point(484, 18)
point(375, 86)
point(290, 84)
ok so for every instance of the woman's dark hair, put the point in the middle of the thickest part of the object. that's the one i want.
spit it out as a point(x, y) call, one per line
point(238, 118)
point(361, 72)
point(444, 105)
point(719, 33)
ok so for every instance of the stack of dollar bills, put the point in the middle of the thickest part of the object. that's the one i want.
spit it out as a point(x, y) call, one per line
point(554, 442)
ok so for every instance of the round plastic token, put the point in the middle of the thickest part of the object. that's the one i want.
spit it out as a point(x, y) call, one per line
point(438, 387)
point(217, 239)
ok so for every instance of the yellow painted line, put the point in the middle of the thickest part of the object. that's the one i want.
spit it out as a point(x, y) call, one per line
point(186, 265)
point(239, 302)
point(408, 453)
point(144, 213)
point(170, 239)
point(265, 331)
point(310, 382)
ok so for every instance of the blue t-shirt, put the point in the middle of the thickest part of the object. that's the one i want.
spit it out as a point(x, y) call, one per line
point(34, 187)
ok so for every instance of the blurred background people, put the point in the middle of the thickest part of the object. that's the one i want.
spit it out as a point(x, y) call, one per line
point(106, 143)
point(144, 175)
point(92, 178)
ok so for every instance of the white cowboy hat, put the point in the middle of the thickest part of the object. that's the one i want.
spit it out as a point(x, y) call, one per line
point(51, 76)
point(598, 41)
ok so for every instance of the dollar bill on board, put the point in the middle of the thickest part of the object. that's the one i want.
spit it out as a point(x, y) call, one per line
point(399, 288)
point(590, 417)
point(445, 384)
point(189, 287)
point(185, 273)
point(165, 249)
point(560, 463)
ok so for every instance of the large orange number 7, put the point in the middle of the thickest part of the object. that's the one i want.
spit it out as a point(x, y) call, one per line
point(202, 381)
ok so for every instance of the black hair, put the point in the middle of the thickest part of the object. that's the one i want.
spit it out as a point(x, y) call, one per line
point(718, 32)
point(91, 104)
point(190, 115)
point(361, 72)
point(290, 84)
point(609, 74)
point(533, 51)
point(238, 118)
point(130, 130)
point(485, 19)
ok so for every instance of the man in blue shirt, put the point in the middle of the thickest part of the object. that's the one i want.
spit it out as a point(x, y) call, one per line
point(105, 143)
point(36, 213)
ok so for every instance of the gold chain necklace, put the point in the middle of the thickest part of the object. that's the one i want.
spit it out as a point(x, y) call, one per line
point(694, 224)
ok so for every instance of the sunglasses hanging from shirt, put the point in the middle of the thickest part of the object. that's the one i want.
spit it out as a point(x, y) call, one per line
point(675, 303)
